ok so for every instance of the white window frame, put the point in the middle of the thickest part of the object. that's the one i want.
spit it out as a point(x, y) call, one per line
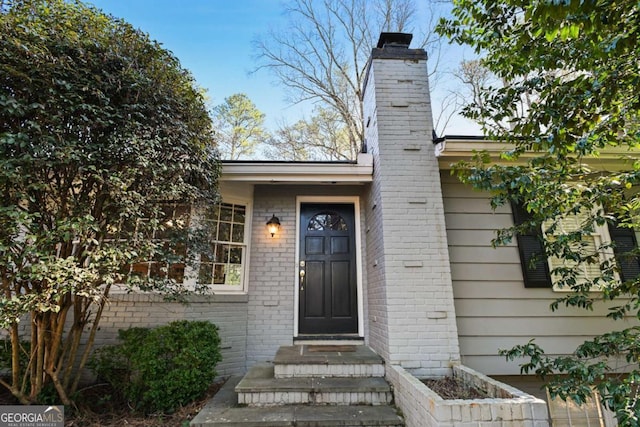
point(192, 276)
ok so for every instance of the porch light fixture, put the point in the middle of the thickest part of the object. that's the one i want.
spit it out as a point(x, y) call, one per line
point(273, 225)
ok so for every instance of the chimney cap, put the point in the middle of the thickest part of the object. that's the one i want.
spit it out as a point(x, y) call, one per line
point(394, 39)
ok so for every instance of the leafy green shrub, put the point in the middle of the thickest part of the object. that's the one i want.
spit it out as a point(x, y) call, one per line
point(160, 369)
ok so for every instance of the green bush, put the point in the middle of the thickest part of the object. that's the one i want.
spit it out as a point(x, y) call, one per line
point(160, 369)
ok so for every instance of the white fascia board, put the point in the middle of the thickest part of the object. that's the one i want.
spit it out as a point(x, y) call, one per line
point(299, 172)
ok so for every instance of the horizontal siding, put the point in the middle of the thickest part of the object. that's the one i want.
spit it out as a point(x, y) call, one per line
point(533, 326)
point(486, 272)
point(472, 238)
point(480, 346)
point(481, 221)
point(531, 307)
point(488, 364)
point(471, 255)
point(493, 308)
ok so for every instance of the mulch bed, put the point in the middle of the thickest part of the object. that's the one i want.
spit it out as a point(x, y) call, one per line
point(96, 408)
point(452, 388)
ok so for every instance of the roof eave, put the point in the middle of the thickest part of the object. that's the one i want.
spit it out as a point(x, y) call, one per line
point(360, 172)
point(455, 149)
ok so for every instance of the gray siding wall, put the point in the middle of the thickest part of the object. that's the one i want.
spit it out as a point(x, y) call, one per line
point(494, 310)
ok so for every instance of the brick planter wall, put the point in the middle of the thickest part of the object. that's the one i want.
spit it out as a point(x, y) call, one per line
point(422, 407)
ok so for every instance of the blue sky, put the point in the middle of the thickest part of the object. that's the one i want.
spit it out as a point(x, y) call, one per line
point(213, 38)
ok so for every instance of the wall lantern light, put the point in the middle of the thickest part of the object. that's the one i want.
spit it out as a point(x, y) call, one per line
point(273, 225)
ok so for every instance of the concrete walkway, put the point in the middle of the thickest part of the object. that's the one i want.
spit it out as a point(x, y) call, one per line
point(223, 410)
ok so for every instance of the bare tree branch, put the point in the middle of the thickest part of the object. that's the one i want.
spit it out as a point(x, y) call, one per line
point(322, 53)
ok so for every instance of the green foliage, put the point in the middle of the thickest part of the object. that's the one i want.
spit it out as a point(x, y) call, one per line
point(99, 125)
point(162, 368)
point(239, 127)
point(587, 369)
point(569, 101)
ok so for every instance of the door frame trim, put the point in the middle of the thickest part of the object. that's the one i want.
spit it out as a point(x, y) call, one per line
point(355, 200)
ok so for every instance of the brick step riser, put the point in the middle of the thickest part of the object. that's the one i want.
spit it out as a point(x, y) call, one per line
point(328, 371)
point(314, 398)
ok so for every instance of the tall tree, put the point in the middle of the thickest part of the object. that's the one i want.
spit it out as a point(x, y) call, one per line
point(321, 54)
point(472, 79)
point(239, 127)
point(103, 141)
point(579, 64)
point(323, 137)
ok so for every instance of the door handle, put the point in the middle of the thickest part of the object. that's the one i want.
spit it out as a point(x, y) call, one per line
point(302, 273)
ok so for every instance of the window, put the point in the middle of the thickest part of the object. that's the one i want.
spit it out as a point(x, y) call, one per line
point(589, 244)
point(327, 221)
point(170, 217)
point(536, 267)
point(223, 267)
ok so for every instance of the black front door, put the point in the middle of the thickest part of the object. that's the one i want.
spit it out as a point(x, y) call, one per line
point(327, 268)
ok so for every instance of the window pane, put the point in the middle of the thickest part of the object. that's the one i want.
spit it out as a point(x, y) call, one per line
point(327, 221)
point(239, 214)
point(222, 253)
point(176, 272)
point(238, 233)
point(140, 269)
point(218, 274)
point(205, 273)
point(233, 275)
point(182, 212)
point(235, 255)
point(157, 270)
point(224, 232)
point(226, 212)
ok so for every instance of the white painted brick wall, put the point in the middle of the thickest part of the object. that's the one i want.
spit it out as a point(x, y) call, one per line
point(272, 276)
point(422, 407)
point(229, 313)
point(411, 312)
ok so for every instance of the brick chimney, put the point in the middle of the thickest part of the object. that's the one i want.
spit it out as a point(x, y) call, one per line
point(411, 316)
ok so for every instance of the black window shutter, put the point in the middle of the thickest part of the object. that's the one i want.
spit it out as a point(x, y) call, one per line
point(530, 245)
point(624, 240)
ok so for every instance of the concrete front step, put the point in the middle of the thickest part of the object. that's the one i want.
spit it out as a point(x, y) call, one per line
point(260, 388)
point(222, 411)
point(327, 361)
